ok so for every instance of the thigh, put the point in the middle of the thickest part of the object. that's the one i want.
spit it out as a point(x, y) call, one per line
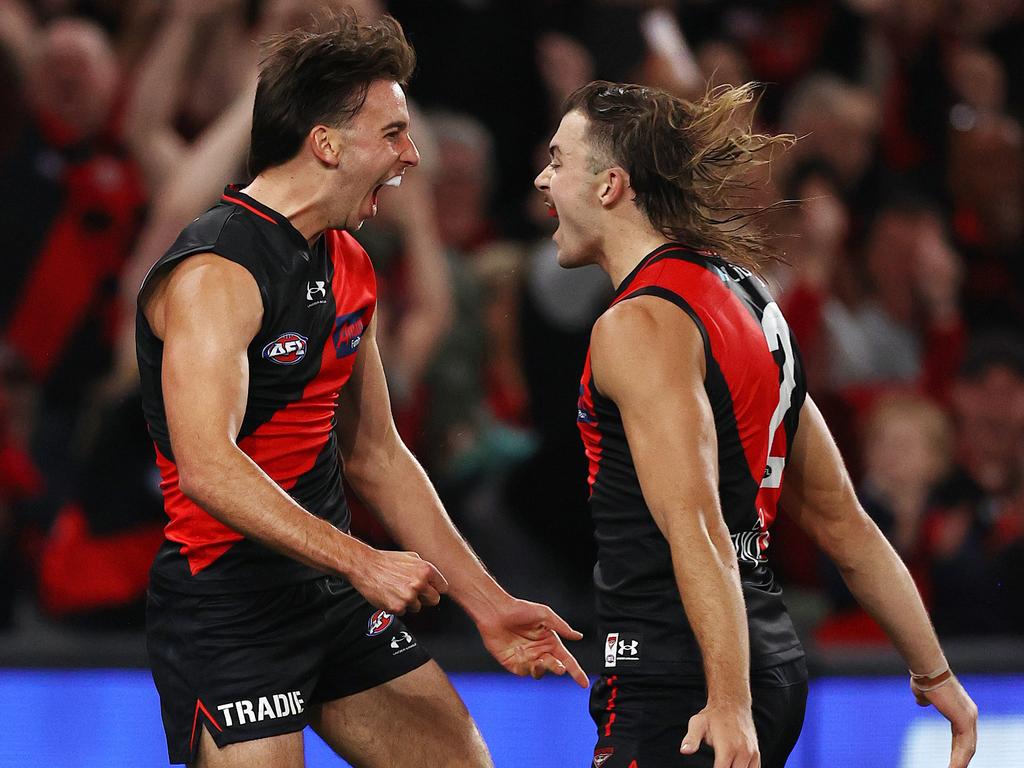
point(284, 751)
point(414, 720)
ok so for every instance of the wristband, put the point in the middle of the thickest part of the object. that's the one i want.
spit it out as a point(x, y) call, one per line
point(930, 682)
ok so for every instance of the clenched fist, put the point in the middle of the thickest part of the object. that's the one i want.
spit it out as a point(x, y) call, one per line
point(398, 581)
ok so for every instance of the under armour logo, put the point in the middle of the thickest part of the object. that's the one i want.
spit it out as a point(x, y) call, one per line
point(628, 648)
point(318, 287)
point(402, 637)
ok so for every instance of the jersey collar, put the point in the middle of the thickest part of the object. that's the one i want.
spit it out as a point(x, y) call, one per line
point(234, 195)
point(659, 251)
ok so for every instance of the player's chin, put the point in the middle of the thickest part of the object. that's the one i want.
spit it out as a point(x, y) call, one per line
point(567, 258)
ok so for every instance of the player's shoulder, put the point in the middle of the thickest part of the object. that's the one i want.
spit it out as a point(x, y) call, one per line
point(218, 230)
point(632, 319)
point(640, 333)
point(644, 320)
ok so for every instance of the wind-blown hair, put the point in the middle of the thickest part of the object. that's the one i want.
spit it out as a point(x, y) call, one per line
point(320, 74)
point(685, 161)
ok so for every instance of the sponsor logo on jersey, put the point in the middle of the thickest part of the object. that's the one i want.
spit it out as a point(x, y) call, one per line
point(271, 707)
point(402, 642)
point(602, 755)
point(582, 414)
point(348, 332)
point(378, 622)
point(620, 647)
point(287, 349)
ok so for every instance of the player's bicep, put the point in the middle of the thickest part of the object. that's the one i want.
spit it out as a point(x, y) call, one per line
point(364, 405)
point(650, 361)
point(816, 489)
point(212, 310)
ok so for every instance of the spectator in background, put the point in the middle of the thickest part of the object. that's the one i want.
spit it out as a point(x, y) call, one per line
point(906, 329)
point(73, 201)
point(462, 430)
point(985, 183)
point(974, 536)
point(907, 449)
point(112, 518)
point(817, 232)
point(838, 124)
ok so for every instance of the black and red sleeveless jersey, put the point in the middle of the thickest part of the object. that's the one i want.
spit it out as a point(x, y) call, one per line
point(317, 302)
point(755, 384)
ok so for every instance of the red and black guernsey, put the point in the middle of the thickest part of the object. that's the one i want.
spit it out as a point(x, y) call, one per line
point(755, 384)
point(317, 303)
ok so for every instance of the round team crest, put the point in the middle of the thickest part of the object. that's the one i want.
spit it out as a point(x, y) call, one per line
point(287, 349)
point(378, 622)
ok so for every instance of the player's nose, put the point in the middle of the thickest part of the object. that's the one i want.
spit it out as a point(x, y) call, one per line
point(410, 154)
point(541, 182)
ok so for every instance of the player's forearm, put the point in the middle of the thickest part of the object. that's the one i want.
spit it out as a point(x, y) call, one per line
point(397, 489)
point(235, 491)
point(708, 579)
point(880, 582)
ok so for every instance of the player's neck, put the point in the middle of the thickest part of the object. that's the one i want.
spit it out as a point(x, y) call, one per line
point(625, 247)
point(285, 191)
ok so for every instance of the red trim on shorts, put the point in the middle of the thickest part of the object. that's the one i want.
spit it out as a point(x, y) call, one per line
point(248, 207)
point(611, 705)
point(195, 722)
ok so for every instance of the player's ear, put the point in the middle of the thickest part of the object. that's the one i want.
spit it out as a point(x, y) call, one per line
point(325, 143)
point(614, 186)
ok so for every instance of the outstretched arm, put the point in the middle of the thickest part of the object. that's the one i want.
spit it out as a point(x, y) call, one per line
point(522, 636)
point(671, 433)
point(818, 494)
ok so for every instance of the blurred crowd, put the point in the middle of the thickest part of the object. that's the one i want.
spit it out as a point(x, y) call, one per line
point(902, 276)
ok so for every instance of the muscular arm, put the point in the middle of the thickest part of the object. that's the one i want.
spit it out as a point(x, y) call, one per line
point(386, 475)
point(671, 435)
point(818, 494)
point(207, 311)
point(522, 636)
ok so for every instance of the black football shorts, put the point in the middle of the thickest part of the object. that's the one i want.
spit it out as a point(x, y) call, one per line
point(641, 718)
point(248, 665)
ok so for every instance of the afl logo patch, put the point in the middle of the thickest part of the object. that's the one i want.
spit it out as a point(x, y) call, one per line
point(287, 349)
point(378, 622)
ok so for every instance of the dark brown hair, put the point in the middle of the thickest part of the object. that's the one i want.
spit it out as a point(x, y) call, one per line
point(685, 161)
point(320, 74)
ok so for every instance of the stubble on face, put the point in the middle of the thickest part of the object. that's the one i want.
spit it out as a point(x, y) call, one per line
point(371, 153)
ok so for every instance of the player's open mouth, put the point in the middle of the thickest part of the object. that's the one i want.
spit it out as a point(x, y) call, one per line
point(394, 181)
point(552, 211)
